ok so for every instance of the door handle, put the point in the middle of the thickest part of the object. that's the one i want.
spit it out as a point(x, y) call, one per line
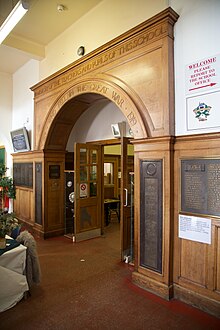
point(126, 197)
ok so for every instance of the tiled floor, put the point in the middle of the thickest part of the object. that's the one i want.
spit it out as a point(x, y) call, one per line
point(85, 286)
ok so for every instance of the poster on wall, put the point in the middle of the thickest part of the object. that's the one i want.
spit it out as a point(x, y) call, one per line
point(203, 94)
point(203, 75)
point(195, 228)
point(203, 111)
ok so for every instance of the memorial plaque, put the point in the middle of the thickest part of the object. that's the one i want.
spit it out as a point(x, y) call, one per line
point(200, 186)
point(23, 174)
point(38, 193)
point(151, 215)
point(54, 171)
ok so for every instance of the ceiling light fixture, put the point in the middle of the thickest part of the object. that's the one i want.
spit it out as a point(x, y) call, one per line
point(60, 8)
point(13, 18)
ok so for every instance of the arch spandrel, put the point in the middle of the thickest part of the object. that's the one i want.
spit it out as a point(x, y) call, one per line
point(102, 88)
point(145, 98)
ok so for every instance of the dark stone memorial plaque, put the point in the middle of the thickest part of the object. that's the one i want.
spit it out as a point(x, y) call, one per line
point(38, 193)
point(200, 186)
point(23, 174)
point(151, 215)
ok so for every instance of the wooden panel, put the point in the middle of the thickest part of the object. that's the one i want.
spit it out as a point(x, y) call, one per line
point(55, 209)
point(217, 273)
point(193, 262)
point(23, 204)
point(155, 149)
point(196, 265)
point(16, 204)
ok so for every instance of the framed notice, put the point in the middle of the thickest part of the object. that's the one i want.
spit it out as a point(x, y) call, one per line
point(195, 228)
point(20, 140)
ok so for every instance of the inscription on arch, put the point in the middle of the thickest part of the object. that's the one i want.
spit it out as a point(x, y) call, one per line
point(109, 56)
point(114, 94)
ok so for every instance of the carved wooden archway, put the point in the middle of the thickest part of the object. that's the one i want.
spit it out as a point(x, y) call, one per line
point(75, 100)
point(135, 71)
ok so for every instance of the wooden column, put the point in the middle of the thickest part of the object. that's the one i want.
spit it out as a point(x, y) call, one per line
point(154, 215)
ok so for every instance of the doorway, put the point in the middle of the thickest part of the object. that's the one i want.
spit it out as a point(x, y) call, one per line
point(119, 192)
point(102, 205)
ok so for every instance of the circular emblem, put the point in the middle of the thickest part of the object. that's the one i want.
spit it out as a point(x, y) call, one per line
point(69, 184)
point(83, 187)
point(151, 169)
point(71, 197)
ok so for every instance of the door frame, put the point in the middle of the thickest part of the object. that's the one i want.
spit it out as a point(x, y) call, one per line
point(103, 143)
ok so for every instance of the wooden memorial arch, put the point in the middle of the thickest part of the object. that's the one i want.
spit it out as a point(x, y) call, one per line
point(135, 71)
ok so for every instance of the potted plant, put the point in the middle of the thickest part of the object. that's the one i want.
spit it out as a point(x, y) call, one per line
point(7, 187)
point(8, 223)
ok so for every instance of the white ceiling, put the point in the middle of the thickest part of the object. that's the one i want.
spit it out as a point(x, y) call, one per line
point(40, 25)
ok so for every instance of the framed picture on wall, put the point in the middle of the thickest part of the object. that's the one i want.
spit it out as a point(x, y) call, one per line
point(20, 140)
point(2, 155)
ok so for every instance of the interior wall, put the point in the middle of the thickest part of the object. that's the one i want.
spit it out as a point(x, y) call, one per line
point(96, 28)
point(6, 83)
point(193, 40)
point(95, 124)
point(196, 37)
point(23, 106)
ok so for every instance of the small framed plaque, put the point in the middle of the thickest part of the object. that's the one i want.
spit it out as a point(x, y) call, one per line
point(20, 140)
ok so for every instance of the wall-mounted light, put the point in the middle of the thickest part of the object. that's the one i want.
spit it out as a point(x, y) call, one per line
point(81, 50)
point(119, 129)
point(13, 18)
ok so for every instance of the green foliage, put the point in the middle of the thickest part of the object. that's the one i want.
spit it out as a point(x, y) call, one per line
point(3, 170)
point(8, 223)
point(6, 183)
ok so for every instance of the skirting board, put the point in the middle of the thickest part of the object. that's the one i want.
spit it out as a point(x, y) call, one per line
point(196, 300)
point(155, 287)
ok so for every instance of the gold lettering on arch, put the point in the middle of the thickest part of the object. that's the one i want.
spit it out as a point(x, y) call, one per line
point(98, 61)
point(131, 119)
point(94, 87)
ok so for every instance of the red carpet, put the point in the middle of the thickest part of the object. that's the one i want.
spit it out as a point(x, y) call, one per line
point(85, 286)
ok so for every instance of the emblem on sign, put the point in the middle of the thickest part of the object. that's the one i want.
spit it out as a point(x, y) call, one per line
point(83, 190)
point(202, 111)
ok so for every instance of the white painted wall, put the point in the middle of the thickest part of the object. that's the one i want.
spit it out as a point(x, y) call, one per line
point(23, 105)
point(197, 34)
point(95, 124)
point(6, 85)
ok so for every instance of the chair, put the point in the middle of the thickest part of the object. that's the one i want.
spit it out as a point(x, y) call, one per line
point(32, 269)
point(114, 210)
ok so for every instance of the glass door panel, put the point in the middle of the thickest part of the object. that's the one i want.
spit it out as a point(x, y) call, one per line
point(83, 156)
point(127, 167)
point(88, 191)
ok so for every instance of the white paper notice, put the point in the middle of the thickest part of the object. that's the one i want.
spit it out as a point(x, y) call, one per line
point(195, 229)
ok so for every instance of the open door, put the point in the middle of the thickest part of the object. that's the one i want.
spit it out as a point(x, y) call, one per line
point(87, 204)
point(126, 218)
